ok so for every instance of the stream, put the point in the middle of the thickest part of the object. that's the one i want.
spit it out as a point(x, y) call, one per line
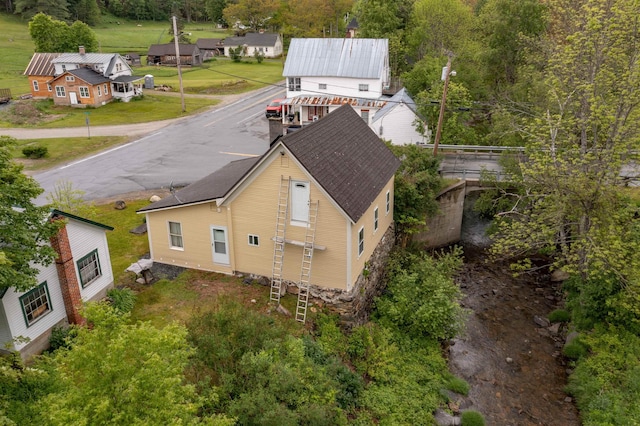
point(508, 354)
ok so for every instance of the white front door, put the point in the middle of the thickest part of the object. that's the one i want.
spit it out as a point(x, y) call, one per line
point(74, 98)
point(220, 244)
point(299, 201)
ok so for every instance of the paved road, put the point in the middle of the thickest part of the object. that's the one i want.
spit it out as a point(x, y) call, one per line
point(180, 151)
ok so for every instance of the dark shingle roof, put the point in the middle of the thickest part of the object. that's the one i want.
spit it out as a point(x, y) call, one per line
point(89, 75)
point(253, 39)
point(215, 185)
point(346, 158)
point(209, 43)
point(340, 151)
point(41, 64)
point(170, 49)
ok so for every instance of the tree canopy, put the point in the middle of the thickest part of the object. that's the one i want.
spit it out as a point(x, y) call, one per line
point(51, 35)
point(24, 228)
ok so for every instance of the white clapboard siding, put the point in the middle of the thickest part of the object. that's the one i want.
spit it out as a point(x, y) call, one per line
point(85, 238)
point(397, 126)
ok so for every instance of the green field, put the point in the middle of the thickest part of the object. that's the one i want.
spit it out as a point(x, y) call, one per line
point(221, 76)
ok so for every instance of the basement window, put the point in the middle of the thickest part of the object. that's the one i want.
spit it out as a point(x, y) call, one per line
point(253, 240)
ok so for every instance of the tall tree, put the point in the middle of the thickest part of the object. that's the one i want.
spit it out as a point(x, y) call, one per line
point(29, 8)
point(214, 10)
point(24, 228)
point(86, 11)
point(571, 205)
point(254, 14)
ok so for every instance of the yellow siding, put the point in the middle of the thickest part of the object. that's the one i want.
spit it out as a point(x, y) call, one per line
point(371, 238)
point(254, 212)
point(196, 222)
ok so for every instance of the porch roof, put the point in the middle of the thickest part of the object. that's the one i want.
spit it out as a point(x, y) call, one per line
point(127, 78)
point(305, 100)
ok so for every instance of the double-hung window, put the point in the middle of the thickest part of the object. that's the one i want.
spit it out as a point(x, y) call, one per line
point(60, 92)
point(294, 84)
point(84, 91)
point(89, 268)
point(36, 86)
point(361, 241)
point(388, 202)
point(175, 235)
point(375, 220)
point(35, 304)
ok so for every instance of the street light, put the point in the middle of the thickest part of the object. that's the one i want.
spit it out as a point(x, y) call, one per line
point(446, 73)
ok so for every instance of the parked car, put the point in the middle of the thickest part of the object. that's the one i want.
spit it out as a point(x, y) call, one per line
point(274, 109)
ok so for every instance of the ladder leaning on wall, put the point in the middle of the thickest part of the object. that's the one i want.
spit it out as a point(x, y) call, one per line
point(307, 257)
point(278, 245)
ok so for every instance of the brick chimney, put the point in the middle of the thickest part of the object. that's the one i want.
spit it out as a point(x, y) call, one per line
point(67, 275)
point(81, 50)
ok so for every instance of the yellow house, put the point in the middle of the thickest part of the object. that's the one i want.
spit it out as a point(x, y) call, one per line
point(310, 211)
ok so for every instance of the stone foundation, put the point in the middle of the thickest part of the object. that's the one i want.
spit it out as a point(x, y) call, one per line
point(353, 306)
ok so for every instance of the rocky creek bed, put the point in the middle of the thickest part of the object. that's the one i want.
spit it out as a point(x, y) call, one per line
point(509, 354)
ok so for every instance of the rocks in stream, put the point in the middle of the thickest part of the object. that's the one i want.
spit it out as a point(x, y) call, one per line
point(541, 321)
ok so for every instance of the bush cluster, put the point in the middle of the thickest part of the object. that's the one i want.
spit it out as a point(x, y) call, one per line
point(35, 151)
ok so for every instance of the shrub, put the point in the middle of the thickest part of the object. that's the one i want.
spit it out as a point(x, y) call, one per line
point(35, 151)
point(122, 300)
point(61, 337)
point(458, 385)
point(472, 418)
point(559, 315)
point(575, 349)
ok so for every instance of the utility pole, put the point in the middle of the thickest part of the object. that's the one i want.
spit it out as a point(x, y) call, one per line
point(175, 39)
point(447, 73)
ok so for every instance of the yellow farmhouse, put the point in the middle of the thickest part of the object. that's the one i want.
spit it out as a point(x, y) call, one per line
point(312, 209)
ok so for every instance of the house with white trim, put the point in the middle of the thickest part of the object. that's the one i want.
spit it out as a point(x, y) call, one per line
point(396, 121)
point(81, 272)
point(314, 207)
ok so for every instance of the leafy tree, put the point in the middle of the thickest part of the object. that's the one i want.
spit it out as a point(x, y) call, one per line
point(438, 26)
point(51, 35)
point(24, 228)
point(116, 373)
point(570, 204)
point(416, 183)
point(64, 197)
point(214, 10)
point(30, 8)
point(377, 18)
point(86, 11)
point(253, 13)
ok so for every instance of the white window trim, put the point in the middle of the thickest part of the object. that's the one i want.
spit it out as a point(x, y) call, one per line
point(360, 241)
point(94, 264)
point(99, 90)
point(69, 78)
point(253, 240)
point(62, 93)
point(388, 201)
point(48, 302)
point(36, 86)
point(84, 89)
point(171, 246)
point(376, 219)
point(363, 87)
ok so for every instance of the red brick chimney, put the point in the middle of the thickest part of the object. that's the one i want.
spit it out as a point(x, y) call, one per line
point(67, 275)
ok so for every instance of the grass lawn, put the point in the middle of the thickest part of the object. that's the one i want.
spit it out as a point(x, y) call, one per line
point(122, 36)
point(192, 292)
point(152, 107)
point(61, 150)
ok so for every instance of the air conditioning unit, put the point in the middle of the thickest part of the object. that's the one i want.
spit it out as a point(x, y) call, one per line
point(315, 118)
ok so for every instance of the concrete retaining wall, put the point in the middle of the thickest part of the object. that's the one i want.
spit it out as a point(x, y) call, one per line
point(445, 228)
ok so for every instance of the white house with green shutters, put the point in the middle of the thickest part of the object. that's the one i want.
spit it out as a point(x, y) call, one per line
point(81, 272)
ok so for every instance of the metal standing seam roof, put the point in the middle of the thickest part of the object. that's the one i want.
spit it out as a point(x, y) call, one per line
point(340, 151)
point(40, 64)
point(402, 97)
point(337, 57)
point(87, 58)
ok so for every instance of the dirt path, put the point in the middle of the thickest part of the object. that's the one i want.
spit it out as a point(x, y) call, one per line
point(513, 365)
